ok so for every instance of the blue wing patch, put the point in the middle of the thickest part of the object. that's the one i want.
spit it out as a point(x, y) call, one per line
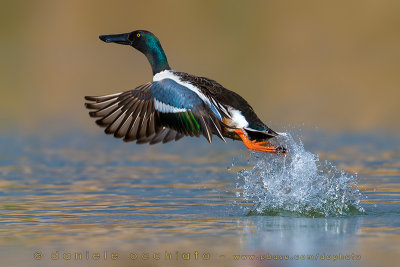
point(175, 95)
point(169, 96)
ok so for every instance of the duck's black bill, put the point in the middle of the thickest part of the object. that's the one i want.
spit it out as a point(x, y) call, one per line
point(116, 38)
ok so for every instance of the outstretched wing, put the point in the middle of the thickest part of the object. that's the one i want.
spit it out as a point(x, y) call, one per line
point(154, 112)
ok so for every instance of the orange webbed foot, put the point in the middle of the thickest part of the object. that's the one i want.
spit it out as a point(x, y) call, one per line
point(262, 143)
point(259, 146)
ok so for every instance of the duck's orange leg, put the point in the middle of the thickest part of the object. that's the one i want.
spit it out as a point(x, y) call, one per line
point(259, 146)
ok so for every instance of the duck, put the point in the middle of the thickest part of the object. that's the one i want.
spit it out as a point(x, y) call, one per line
point(176, 104)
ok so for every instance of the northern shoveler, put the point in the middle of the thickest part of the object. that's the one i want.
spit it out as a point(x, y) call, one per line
point(176, 104)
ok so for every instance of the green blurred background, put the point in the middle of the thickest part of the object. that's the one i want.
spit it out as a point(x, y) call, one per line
point(329, 64)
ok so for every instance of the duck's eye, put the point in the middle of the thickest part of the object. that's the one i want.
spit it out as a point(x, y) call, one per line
point(138, 35)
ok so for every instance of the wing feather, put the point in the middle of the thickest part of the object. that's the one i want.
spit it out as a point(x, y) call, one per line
point(123, 128)
point(109, 118)
point(101, 98)
point(104, 110)
point(169, 136)
point(135, 115)
point(133, 129)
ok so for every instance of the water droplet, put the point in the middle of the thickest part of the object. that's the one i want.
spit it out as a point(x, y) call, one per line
point(298, 183)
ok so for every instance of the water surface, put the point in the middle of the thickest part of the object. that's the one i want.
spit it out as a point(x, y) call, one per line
point(85, 193)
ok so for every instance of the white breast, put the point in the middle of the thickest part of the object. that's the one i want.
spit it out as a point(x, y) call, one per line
point(238, 120)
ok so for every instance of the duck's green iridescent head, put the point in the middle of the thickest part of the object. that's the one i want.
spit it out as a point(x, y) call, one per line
point(145, 42)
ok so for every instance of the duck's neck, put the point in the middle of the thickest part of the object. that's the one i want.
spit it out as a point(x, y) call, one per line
point(156, 56)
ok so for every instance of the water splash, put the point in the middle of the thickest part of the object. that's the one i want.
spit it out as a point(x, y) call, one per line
point(298, 183)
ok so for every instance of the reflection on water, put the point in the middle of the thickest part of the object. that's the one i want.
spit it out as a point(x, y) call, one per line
point(302, 236)
point(80, 192)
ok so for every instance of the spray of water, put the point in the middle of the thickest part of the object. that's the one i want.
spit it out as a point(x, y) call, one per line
point(297, 183)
